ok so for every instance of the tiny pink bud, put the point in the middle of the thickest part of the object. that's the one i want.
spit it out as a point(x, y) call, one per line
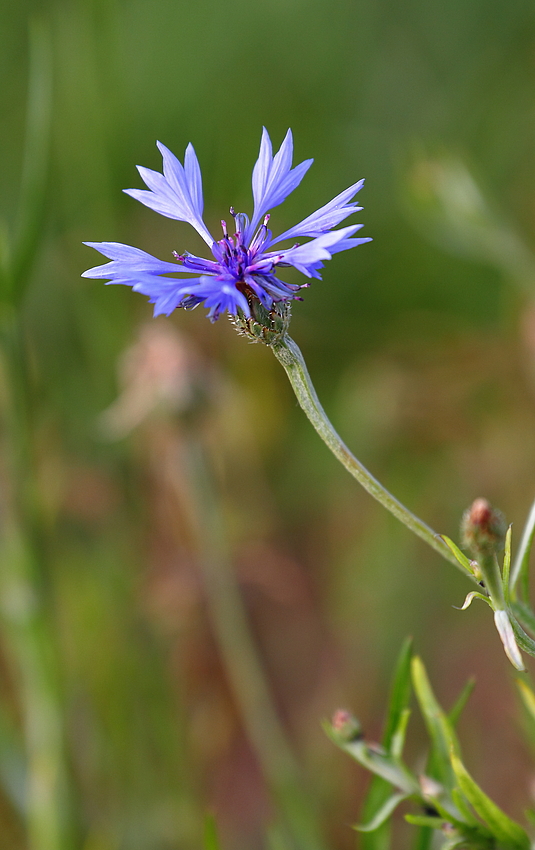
point(483, 528)
point(346, 725)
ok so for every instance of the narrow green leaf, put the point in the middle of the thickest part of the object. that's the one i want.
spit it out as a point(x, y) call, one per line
point(458, 708)
point(524, 614)
point(449, 813)
point(520, 570)
point(379, 790)
point(507, 565)
point(375, 759)
point(474, 594)
point(398, 738)
point(381, 839)
point(502, 827)
point(439, 728)
point(465, 824)
point(460, 556)
point(425, 820)
point(445, 805)
point(399, 693)
point(423, 838)
point(383, 814)
point(528, 697)
point(525, 642)
point(473, 833)
point(464, 809)
point(211, 839)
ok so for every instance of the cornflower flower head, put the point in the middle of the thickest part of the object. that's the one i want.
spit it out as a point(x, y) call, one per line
point(242, 274)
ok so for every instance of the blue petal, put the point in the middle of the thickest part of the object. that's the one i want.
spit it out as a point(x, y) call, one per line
point(127, 260)
point(156, 286)
point(273, 177)
point(177, 193)
point(164, 293)
point(166, 303)
point(306, 257)
point(262, 166)
point(220, 295)
point(346, 244)
point(193, 177)
point(326, 217)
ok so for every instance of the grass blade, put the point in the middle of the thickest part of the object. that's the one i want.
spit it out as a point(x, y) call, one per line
point(383, 814)
point(462, 699)
point(505, 830)
point(438, 726)
point(520, 570)
point(379, 789)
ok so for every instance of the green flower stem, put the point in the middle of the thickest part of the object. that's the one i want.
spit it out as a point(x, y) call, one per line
point(490, 570)
point(288, 354)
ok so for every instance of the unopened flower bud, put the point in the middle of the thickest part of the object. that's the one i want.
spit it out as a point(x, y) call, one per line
point(346, 725)
point(483, 529)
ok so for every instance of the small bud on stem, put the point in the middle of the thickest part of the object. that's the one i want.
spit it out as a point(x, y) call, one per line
point(483, 529)
point(346, 725)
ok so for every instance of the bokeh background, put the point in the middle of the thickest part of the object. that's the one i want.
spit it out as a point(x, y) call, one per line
point(206, 583)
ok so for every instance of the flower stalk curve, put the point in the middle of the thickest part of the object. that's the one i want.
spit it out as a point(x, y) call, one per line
point(290, 357)
point(242, 278)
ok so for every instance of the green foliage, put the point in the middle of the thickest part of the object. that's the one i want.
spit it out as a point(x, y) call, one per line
point(462, 560)
point(450, 801)
point(506, 832)
point(500, 591)
point(520, 569)
point(440, 730)
point(379, 793)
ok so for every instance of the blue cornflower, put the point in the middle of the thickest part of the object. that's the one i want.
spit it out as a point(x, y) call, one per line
point(245, 264)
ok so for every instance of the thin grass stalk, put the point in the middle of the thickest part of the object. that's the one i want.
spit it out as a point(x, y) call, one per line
point(243, 666)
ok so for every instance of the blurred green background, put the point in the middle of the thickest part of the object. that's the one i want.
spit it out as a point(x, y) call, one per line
point(174, 481)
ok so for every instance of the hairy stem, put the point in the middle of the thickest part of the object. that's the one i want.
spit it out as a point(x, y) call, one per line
point(289, 355)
